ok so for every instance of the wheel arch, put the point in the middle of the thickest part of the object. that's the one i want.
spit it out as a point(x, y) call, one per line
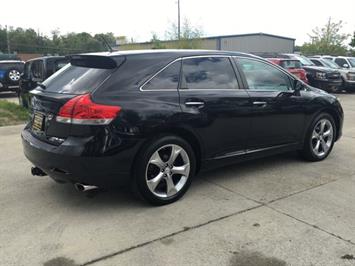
point(333, 114)
point(181, 132)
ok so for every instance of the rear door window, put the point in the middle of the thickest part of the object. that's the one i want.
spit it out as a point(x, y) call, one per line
point(215, 73)
point(76, 79)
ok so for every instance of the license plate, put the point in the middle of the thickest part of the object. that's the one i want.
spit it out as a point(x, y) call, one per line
point(37, 124)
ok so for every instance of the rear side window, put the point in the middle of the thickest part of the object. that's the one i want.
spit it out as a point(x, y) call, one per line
point(37, 70)
point(167, 79)
point(27, 72)
point(208, 73)
point(76, 80)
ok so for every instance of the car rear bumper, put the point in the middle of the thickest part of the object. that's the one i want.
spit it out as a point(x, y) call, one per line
point(5, 87)
point(65, 163)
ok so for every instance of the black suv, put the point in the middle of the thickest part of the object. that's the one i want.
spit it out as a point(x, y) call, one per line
point(321, 77)
point(10, 73)
point(156, 118)
point(36, 71)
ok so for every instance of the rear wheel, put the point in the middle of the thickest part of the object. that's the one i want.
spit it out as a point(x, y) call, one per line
point(164, 170)
point(320, 138)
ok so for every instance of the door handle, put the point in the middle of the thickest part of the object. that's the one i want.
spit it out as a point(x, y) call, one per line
point(260, 104)
point(196, 104)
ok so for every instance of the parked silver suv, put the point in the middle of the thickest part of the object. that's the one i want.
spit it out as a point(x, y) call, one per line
point(347, 65)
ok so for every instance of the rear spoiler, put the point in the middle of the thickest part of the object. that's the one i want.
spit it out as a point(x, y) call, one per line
point(93, 61)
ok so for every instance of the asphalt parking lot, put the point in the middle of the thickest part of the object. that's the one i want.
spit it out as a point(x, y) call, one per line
point(275, 211)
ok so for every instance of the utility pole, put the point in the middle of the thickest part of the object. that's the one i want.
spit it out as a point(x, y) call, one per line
point(178, 19)
point(7, 41)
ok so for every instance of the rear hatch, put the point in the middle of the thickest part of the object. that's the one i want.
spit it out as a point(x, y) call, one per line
point(82, 76)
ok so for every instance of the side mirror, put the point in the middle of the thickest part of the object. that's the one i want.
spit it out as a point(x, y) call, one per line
point(346, 66)
point(298, 85)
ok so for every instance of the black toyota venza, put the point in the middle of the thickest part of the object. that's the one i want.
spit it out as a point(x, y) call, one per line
point(154, 119)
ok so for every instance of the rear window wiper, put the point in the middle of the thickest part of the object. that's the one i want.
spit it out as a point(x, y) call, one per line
point(41, 85)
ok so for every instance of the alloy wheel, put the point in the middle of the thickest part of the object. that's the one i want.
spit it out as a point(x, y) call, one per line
point(14, 75)
point(167, 170)
point(322, 137)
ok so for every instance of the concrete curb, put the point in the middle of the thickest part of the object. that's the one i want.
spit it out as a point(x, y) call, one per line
point(10, 130)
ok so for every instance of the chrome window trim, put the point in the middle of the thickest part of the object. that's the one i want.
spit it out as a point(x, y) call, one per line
point(157, 73)
point(141, 88)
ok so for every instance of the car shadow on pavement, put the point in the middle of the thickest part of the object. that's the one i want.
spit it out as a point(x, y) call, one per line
point(123, 199)
point(255, 165)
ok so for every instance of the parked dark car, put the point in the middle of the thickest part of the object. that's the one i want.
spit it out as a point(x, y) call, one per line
point(324, 78)
point(36, 71)
point(154, 119)
point(10, 73)
point(292, 65)
point(347, 74)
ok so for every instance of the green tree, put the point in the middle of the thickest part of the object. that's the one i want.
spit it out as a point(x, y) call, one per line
point(190, 36)
point(326, 40)
point(157, 44)
point(29, 41)
point(352, 42)
point(109, 37)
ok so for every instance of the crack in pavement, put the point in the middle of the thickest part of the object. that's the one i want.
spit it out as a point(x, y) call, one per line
point(312, 225)
point(266, 204)
point(185, 229)
point(260, 204)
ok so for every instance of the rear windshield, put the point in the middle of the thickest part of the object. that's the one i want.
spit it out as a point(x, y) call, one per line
point(291, 64)
point(76, 80)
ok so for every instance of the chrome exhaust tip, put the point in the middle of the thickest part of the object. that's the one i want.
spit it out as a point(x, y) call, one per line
point(83, 188)
point(36, 171)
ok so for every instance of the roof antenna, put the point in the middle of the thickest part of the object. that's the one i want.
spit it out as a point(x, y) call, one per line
point(108, 46)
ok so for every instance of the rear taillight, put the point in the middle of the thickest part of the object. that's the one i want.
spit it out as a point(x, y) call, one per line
point(81, 110)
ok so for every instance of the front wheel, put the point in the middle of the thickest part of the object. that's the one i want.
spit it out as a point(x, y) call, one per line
point(320, 138)
point(164, 170)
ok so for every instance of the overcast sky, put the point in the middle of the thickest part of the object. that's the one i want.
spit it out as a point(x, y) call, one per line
point(138, 19)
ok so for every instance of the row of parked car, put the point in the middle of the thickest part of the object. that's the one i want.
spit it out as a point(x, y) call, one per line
point(21, 77)
point(324, 72)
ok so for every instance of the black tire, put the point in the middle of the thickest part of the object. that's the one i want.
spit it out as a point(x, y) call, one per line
point(308, 152)
point(140, 171)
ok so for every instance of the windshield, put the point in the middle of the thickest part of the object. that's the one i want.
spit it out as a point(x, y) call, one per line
point(352, 61)
point(291, 64)
point(330, 63)
point(76, 80)
point(305, 61)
